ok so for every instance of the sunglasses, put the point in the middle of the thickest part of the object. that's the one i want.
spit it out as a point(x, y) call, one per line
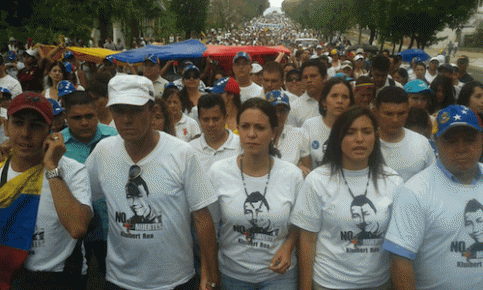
point(135, 171)
point(191, 76)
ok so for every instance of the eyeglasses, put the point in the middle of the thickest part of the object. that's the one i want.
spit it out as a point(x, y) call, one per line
point(191, 76)
point(135, 171)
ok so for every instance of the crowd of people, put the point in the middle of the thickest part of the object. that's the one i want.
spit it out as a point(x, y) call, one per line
point(326, 168)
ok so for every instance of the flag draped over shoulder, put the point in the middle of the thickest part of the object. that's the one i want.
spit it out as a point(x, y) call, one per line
point(19, 203)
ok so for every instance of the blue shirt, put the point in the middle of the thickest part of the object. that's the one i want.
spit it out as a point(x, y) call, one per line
point(80, 151)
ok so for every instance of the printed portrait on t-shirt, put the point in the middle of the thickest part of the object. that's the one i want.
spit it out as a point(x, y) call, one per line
point(363, 214)
point(256, 210)
point(137, 195)
point(473, 217)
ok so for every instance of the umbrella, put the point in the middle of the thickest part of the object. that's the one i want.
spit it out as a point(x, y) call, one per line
point(409, 54)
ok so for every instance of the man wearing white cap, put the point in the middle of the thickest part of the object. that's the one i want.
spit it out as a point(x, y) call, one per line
point(256, 73)
point(432, 71)
point(436, 228)
point(152, 183)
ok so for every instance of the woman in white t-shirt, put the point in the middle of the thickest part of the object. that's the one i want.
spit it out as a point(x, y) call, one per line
point(344, 209)
point(256, 194)
point(185, 128)
point(56, 73)
point(336, 97)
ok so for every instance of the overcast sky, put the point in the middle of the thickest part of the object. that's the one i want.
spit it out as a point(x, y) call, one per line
point(276, 3)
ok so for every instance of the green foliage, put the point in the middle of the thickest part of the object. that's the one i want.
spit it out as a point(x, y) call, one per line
point(224, 13)
point(191, 15)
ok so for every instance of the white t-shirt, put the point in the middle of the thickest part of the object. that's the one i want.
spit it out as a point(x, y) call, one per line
point(429, 221)
point(149, 245)
point(293, 144)
point(252, 91)
point(408, 156)
point(302, 109)
point(187, 128)
point(159, 84)
point(247, 247)
point(430, 77)
point(52, 243)
point(12, 84)
point(291, 97)
point(350, 231)
point(208, 155)
point(318, 135)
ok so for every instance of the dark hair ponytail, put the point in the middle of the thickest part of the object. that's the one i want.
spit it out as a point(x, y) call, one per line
point(274, 151)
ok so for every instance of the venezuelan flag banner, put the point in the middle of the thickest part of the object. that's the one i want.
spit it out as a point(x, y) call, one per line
point(19, 203)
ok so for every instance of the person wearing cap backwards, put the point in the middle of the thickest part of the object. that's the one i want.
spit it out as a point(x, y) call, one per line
point(435, 233)
point(151, 70)
point(405, 151)
point(152, 183)
point(7, 81)
point(462, 64)
point(241, 69)
point(256, 73)
point(46, 199)
point(292, 142)
point(432, 71)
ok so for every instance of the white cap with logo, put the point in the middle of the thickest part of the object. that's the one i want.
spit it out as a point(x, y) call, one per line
point(130, 90)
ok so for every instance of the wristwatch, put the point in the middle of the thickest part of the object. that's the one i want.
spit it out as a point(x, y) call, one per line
point(211, 284)
point(56, 172)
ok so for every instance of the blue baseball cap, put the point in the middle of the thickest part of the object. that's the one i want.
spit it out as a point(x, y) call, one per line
point(57, 108)
point(65, 87)
point(278, 98)
point(68, 67)
point(343, 76)
point(417, 87)
point(68, 54)
point(170, 85)
point(190, 67)
point(5, 91)
point(109, 58)
point(11, 55)
point(151, 57)
point(242, 54)
point(456, 115)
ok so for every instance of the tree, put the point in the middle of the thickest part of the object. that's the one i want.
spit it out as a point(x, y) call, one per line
point(191, 15)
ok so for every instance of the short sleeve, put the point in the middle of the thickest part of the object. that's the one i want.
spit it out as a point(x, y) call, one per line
point(408, 221)
point(307, 213)
point(198, 188)
point(77, 180)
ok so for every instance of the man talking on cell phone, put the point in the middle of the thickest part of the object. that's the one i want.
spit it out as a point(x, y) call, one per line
point(45, 201)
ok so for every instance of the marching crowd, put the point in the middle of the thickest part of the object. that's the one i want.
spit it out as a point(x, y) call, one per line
point(323, 169)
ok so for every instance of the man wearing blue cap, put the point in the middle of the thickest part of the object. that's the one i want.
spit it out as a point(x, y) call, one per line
point(242, 66)
point(436, 229)
point(79, 73)
point(151, 70)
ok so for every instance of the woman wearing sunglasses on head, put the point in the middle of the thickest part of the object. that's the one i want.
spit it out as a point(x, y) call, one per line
point(344, 209)
point(256, 193)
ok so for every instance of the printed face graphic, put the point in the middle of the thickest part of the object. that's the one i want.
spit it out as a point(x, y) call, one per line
point(256, 213)
point(474, 223)
point(137, 200)
point(364, 217)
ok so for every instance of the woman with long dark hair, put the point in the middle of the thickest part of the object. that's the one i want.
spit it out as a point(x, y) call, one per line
point(444, 91)
point(344, 209)
point(256, 194)
point(56, 73)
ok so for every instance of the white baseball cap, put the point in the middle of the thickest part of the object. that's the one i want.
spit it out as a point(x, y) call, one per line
point(256, 68)
point(130, 90)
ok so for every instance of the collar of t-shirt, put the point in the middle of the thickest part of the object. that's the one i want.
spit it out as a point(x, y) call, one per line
point(306, 98)
point(183, 120)
point(68, 138)
point(453, 178)
point(227, 145)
